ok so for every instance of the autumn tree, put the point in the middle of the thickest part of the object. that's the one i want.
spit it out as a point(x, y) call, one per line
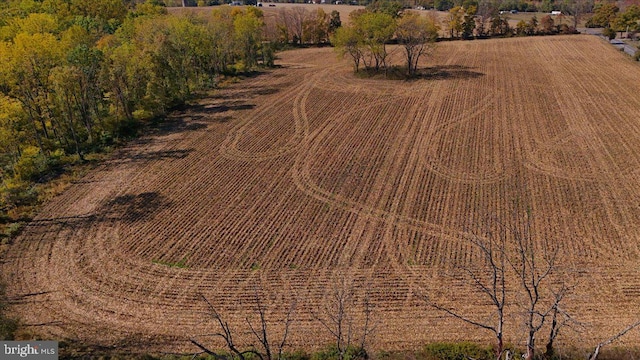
point(469, 22)
point(248, 34)
point(547, 24)
point(603, 14)
point(376, 29)
point(417, 35)
point(348, 41)
point(499, 26)
point(13, 137)
point(454, 21)
point(221, 30)
point(316, 28)
point(521, 28)
point(627, 20)
point(31, 59)
point(485, 10)
point(392, 8)
point(77, 75)
point(334, 21)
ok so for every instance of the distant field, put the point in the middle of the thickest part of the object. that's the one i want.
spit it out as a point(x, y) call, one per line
point(272, 8)
point(304, 175)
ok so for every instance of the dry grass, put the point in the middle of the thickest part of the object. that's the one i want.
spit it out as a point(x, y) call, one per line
point(306, 174)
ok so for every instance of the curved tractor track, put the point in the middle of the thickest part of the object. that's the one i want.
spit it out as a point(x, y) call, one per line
point(303, 178)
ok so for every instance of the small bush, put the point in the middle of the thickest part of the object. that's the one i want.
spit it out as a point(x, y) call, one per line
point(331, 353)
point(457, 351)
point(609, 32)
point(15, 193)
point(13, 229)
point(31, 164)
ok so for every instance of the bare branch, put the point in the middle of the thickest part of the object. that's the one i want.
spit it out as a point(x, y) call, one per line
point(287, 324)
point(207, 351)
point(617, 336)
point(460, 317)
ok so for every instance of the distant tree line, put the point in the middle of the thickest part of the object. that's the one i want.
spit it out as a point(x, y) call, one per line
point(487, 19)
point(441, 5)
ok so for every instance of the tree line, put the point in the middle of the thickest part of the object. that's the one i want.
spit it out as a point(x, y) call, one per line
point(78, 76)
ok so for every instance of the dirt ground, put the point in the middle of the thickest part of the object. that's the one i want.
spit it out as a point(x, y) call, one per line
point(304, 180)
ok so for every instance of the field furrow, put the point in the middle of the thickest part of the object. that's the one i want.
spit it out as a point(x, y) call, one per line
point(304, 178)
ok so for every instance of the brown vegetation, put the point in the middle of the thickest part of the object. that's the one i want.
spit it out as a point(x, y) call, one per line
point(305, 172)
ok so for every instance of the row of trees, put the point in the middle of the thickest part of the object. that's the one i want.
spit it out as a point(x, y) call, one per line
point(365, 39)
point(546, 26)
point(78, 75)
point(486, 20)
point(298, 26)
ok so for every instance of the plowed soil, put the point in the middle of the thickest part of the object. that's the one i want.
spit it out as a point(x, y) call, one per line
point(290, 181)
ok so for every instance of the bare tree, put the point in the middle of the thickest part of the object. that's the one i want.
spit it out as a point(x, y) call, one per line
point(577, 9)
point(489, 279)
point(261, 333)
point(533, 266)
point(512, 260)
point(596, 351)
point(338, 317)
point(560, 319)
point(291, 22)
point(226, 335)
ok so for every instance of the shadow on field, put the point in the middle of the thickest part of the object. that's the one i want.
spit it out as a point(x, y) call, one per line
point(136, 156)
point(217, 109)
point(176, 124)
point(444, 72)
point(200, 116)
point(131, 208)
point(128, 208)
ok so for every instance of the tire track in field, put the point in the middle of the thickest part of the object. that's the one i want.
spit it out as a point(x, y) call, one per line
point(446, 130)
point(229, 147)
point(301, 173)
point(598, 164)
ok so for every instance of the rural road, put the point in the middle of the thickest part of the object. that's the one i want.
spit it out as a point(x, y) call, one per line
point(619, 44)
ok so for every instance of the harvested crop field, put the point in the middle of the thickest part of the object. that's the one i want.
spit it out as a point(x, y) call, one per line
point(300, 180)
